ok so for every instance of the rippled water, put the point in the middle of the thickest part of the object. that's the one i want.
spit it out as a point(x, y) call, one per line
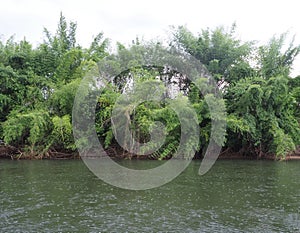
point(235, 196)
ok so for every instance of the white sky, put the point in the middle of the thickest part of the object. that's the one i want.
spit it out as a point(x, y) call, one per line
point(124, 20)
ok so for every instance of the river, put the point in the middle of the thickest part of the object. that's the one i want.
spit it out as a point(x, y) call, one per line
point(234, 196)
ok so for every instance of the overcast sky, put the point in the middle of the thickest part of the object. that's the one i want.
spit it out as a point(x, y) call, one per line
point(124, 20)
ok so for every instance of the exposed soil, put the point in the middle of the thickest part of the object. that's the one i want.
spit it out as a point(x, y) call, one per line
point(9, 152)
point(243, 154)
point(295, 155)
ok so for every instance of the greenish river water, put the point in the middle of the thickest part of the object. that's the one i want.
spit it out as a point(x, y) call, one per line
point(234, 196)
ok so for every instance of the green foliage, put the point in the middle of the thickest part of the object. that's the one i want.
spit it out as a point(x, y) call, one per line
point(61, 101)
point(273, 60)
point(29, 129)
point(294, 85)
point(103, 115)
point(97, 49)
point(262, 115)
point(224, 56)
point(65, 37)
point(38, 87)
point(18, 90)
point(62, 135)
point(282, 143)
point(69, 67)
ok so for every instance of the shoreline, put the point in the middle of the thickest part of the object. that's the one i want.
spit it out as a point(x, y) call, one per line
point(11, 153)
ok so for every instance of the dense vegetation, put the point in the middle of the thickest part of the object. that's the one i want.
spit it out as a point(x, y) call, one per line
point(38, 86)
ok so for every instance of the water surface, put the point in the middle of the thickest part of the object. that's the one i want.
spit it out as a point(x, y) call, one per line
point(235, 196)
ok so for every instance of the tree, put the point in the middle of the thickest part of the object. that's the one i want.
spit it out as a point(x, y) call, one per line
point(261, 117)
point(27, 128)
point(261, 99)
point(294, 85)
point(273, 61)
point(65, 37)
point(225, 57)
point(37, 88)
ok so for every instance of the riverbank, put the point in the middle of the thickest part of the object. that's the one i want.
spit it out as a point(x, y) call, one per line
point(9, 152)
point(295, 155)
point(229, 154)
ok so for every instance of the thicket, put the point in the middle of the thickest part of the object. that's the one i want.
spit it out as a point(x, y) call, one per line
point(38, 87)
